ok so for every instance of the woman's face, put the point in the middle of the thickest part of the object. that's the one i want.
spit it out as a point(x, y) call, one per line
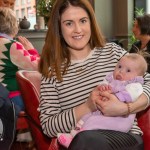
point(136, 30)
point(76, 29)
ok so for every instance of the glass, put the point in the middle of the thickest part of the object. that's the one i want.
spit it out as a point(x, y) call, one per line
point(26, 8)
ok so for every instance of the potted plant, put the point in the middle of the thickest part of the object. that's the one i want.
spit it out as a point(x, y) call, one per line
point(44, 8)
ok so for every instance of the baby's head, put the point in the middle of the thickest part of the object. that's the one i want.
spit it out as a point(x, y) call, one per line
point(130, 66)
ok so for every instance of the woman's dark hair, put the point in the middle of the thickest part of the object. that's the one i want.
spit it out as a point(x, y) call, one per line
point(55, 52)
point(144, 24)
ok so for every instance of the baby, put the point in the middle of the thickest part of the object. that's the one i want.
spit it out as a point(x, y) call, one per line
point(126, 83)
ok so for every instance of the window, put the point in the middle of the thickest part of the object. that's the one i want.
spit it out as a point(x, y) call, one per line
point(23, 12)
point(17, 14)
point(17, 2)
point(145, 4)
point(26, 9)
point(22, 2)
point(28, 1)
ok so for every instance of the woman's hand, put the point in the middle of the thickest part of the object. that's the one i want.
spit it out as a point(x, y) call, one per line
point(25, 42)
point(93, 97)
point(112, 106)
point(89, 106)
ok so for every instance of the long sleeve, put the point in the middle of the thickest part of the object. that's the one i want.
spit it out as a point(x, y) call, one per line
point(13, 56)
point(57, 120)
point(24, 59)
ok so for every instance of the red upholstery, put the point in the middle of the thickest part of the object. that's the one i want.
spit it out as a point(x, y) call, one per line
point(22, 122)
point(29, 83)
point(144, 124)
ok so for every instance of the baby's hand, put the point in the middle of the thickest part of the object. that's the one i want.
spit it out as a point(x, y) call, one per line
point(104, 87)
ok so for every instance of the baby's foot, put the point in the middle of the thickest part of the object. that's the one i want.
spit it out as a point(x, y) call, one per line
point(64, 139)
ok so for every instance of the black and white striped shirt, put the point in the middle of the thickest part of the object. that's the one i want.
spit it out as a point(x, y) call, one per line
point(58, 99)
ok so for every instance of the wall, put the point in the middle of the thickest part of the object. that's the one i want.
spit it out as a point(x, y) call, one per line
point(103, 10)
point(115, 18)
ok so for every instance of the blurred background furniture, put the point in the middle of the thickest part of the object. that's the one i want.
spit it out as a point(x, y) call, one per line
point(22, 122)
point(144, 123)
point(21, 127)
point(29, 83)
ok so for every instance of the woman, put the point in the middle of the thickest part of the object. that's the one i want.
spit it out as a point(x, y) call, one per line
point(14, 55)
point(74, 60)
point(126, 83)
point(141, 31)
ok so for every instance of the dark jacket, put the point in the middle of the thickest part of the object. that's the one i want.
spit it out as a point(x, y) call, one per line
point(137, 46)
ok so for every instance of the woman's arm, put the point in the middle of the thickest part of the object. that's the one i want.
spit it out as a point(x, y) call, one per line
point(54, 118)
point(114, 107)
point(88, 106)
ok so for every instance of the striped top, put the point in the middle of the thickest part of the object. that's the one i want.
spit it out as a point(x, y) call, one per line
point(58, 99)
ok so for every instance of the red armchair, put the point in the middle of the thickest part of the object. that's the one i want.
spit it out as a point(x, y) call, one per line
point(29, 83)
point(144, 123)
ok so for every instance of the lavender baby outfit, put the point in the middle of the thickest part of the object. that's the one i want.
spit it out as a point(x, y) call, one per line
point(126, 91)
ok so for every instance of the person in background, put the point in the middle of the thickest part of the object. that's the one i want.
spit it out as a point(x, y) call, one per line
point(25, 136)
point(141, 31)
point(10, 4)
point(14, 55)
point(74, 60)
point(7, 3)
point(126, 83)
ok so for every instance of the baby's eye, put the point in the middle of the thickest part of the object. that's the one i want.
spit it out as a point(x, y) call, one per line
point(119, 66)
point(128, 70)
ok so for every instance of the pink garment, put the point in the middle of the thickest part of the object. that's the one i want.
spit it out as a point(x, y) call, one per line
point(119, 87)
point(14, 93)
point(96, 120)
point(24, 59)
point(33, 52)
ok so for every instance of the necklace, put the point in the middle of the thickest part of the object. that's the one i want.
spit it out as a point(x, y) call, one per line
point(79, 70)
point(80, 65)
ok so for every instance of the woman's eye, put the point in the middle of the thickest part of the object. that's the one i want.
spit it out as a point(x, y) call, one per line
point(68, 23)
point(83, 21)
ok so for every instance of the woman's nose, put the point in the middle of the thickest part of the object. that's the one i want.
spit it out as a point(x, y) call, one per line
point(77, 28)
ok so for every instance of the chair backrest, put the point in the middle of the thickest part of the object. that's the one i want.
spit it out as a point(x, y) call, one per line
point(144, 123)
point(29, 84)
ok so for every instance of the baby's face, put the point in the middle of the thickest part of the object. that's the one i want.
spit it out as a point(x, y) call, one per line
point(126, 69)
point(7, 3)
